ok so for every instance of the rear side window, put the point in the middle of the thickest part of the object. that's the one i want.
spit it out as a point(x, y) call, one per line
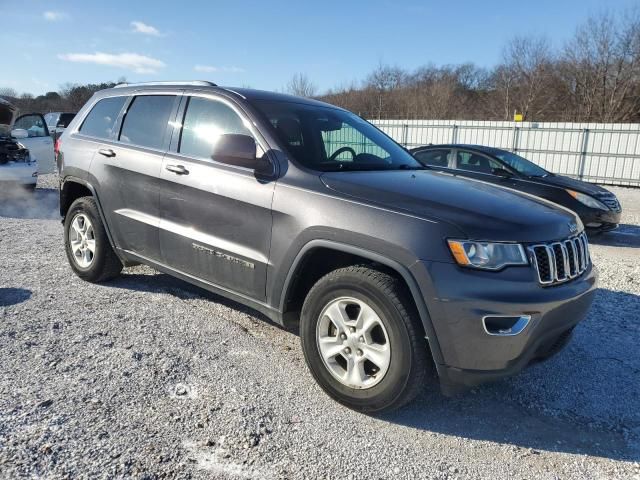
point(434, 158)
point(102, 117)
point(204, 121)
point(145, 123)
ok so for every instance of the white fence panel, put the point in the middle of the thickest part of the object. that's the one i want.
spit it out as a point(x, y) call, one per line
point(595, 152)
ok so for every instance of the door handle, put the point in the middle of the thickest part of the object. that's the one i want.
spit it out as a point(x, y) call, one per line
point(107, 152)
point(177, 169)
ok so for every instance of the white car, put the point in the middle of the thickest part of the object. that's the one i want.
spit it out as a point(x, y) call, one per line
point(32, 132)
point(17, 165)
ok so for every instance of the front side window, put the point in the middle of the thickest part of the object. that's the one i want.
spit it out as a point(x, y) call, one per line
point(521, 165)
point(102, 117)
point(330, 139)
point(434, 158)
point(204, 121)
point(475, 162)
point(145, 123)
point(33, 124)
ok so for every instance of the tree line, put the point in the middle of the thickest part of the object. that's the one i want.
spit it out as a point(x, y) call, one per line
point(594, 77)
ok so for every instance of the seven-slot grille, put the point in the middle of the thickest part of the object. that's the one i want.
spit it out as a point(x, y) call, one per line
point(558, 262)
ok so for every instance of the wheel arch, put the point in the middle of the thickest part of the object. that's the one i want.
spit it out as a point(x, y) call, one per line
point(350, 254)
point(72, 188)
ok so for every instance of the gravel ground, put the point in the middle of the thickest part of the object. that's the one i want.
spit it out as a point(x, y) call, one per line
point(149, 377)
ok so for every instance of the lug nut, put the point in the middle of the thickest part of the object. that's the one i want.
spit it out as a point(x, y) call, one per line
point(343, 336)
point(352, 329)
point(359, 352)
point(361, 339)
point(347, 350)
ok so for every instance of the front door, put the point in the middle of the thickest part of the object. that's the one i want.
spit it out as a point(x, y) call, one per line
point(475, 165)
point(39, 142)
point(215, 218)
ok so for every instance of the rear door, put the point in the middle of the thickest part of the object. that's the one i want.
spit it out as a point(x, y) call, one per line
point(436, 158)
point(215, 218)
point(39, 142)
point(127, 167)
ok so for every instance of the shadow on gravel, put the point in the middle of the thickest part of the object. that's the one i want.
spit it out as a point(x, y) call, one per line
point(585, 400)
point(40, 204)
point(163, 283)
point(555, 406)
point(13, 296)
point(624, 236)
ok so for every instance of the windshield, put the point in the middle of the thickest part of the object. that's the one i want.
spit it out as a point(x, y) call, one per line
point(330, 140)
point(520, 165)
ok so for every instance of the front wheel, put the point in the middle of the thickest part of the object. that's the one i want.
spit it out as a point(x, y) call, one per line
point(362, 339)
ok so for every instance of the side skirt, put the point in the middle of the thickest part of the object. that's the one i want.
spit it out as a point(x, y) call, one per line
point(272, 313)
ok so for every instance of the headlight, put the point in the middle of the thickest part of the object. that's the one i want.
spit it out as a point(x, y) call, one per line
point(587, 200)
point(487, 255)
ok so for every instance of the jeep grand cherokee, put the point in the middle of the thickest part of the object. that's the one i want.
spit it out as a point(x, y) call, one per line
point(309, 214)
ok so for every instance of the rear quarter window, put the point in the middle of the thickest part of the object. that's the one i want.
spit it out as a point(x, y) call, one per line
point(102, 117)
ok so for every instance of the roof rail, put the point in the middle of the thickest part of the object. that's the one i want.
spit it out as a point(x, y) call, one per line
point(198, 83)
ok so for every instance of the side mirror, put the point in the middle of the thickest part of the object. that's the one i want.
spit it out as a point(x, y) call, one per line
point(501, 172)
point(238, 150)
point(19, 133)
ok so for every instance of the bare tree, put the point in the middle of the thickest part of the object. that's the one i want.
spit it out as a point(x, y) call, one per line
point(301, 86)
point(523, 78)
point(8, 92)
point(600, 68)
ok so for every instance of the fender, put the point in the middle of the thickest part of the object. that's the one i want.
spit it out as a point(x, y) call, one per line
point(94, 194)
point(375, 257)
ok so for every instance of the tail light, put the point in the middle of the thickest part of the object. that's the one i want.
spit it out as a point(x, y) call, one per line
point(56, 147)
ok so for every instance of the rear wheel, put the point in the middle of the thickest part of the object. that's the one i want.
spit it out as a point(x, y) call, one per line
point(362, 339)
point(86, 243)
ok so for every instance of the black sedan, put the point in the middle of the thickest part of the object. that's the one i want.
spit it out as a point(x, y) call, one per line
point(598, 208)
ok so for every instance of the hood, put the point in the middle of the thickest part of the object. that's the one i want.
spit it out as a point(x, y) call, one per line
point(7, 114)
point(573, 184)
point(481, 210)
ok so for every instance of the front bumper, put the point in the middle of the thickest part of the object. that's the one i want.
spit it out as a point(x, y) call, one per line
point(596, 220)
point(458, 298)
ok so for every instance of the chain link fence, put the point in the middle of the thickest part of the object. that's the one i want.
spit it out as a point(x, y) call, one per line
point(594, 152)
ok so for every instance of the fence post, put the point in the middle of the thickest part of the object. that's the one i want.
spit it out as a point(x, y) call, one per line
point(516, 138)
point(454, 133)
point(583, 153)
point(405, 134)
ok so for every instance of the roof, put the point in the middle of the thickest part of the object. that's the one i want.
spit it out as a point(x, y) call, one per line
point(201, 85)
point(468, 146)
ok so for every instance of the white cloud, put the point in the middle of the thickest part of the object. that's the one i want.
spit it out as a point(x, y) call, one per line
point(130, 61)
point(51, 16)
point(211, 68)
point(140, 27)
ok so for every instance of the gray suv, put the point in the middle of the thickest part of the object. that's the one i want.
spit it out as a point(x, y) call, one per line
point(312, 216)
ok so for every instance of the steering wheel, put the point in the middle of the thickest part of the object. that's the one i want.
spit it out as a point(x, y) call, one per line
point(342, 150)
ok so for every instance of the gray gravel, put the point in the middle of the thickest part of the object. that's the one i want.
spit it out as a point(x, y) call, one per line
point(149, 377)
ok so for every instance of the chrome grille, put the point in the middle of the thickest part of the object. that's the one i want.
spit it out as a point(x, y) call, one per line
point(559, 262)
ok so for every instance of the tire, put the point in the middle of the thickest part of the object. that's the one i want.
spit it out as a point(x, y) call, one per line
point(103, 263)
point(353, 291)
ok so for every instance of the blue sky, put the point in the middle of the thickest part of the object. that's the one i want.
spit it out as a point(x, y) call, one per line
point(263, 44)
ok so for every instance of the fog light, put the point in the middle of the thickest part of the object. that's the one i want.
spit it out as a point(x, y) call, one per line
point(505, 325)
